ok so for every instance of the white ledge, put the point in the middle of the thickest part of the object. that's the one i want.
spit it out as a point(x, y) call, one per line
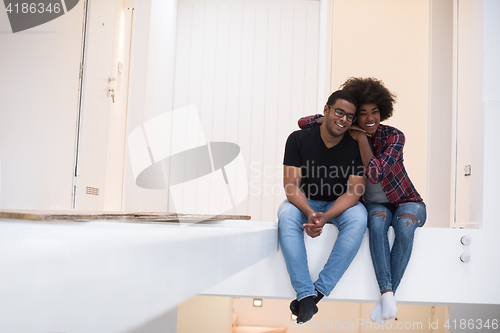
point(111, 276)
point(435, 274)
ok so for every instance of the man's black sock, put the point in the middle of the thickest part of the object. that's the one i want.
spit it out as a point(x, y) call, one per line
point(294, 305)
point(307, 309)
point(318, 297)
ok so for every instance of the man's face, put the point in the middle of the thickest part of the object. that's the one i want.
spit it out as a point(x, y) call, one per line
point(336, 125)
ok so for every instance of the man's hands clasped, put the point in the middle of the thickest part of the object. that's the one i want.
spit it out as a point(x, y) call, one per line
point(315, 223)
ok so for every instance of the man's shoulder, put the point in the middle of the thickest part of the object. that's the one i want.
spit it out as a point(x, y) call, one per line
point(299, 145)
point(349, 141)
point(305, 133)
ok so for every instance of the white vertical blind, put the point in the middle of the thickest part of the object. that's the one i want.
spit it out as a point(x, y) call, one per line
point(251, 69)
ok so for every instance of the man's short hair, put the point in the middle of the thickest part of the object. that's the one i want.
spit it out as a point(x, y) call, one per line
point(342, 94)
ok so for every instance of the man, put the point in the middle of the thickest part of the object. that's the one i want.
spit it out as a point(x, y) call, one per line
point(323, 180)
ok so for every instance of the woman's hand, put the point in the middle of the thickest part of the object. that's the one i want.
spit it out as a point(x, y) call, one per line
point(358, 133)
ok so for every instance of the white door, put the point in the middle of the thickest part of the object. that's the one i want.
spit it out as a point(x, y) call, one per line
point(116, 145)
point(104, 105)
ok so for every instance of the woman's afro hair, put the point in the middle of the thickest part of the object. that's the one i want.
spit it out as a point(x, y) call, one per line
point(370, 90)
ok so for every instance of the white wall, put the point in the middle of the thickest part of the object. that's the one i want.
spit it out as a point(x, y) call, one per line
point(491, 99)
point(469, 103)
point(440, 144)
point(39, 102)
point(389, 40)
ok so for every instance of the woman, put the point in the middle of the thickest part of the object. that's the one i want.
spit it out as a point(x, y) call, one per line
point(390, 198)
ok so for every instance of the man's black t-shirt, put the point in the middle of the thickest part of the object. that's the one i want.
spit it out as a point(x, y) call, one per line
point(324, 170)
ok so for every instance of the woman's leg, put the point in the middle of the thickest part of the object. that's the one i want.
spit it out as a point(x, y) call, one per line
point(379, 220)
point(407, 218)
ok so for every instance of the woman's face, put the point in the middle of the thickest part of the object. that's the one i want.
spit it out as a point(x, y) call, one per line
point(368, 118)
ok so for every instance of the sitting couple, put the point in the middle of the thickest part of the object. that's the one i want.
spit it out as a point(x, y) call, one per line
point(324, 168)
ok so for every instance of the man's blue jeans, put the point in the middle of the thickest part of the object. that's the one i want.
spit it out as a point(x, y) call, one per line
point(390, 265)
point(352, 227)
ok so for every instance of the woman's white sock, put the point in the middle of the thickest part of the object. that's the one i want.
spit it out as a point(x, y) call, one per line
point(389, 308)
point(376, 314)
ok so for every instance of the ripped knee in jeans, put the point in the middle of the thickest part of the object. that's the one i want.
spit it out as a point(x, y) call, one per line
point(412, 218)
point(379, 213)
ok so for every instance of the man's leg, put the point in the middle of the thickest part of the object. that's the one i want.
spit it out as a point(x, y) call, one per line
point(291, 236)
point(352, 227)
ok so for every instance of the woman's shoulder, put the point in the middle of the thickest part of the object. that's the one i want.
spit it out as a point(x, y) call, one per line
point(391, 135)
point(387, 130)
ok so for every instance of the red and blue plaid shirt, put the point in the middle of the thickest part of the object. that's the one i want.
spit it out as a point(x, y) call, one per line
point(309, 121)
point(386, 166)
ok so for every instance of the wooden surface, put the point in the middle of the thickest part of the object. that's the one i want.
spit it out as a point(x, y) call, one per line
point(74, 215)
point(258, 329)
